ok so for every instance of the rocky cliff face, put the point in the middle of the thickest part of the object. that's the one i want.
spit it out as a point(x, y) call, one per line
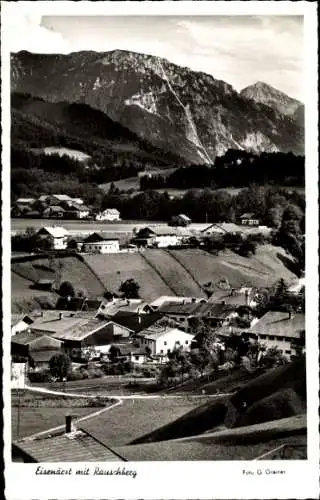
point(175, 109)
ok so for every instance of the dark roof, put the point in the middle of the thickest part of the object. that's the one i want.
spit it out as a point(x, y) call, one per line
point(135, 322)
point(197, 309)
point(96, 238)
point(78, 447)
point(278, 323)
point(42, 356)
point(25, 338)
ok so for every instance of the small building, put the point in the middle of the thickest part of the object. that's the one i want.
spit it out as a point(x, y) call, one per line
point(109, 214)
point(249, 219)
point(57, 236)
point(37, 348)
point(163, 340)
point(20, 323)
point(279, 329)
point(112, 307)
point(97, 243)
point(221, 229)
point(243, 296)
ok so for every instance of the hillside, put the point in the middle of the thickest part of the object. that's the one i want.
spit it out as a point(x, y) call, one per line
point(190, 114)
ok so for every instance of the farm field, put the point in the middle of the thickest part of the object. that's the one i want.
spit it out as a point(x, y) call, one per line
point(115, 268)
point(180, 279)
point(134, 182)
point(134, 418)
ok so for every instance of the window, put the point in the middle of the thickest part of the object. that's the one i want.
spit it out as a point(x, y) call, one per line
point(271, 337)
point(181, 319)
point(165, 342)
point(178, 342)
point(168, 351)
point(187, 341)
point(161, 351)
point(288, 351)
point(263, 336)
point(280, 339)
point(136, 358)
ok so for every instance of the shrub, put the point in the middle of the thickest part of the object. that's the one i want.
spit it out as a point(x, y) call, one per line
point(95, 373)
point(60, 365)
point(40, 377)
point(75, 375)
point(84, 373)
point(66, 289)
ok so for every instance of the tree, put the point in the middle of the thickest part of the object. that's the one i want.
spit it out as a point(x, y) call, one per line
point(113, 353)
point(130, 289)
point(66, 289)
point(247, 248)
point(60, 366)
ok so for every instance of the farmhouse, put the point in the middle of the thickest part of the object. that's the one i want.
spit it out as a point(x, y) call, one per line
point(109, 309)
point(97, 243)
point(80, 332)
point(161, 237)
point(180, 220)
point(163, 340)
point(221, 229)
point(279, 329)
point(77, 211)
point(109, 214)
point(249, 219)
point(56, 235)
point(243, 296)
point(135, 322)
point(214, 314)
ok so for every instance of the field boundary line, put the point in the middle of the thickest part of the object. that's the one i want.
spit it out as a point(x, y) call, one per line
point(159, 274)
point(186, 269)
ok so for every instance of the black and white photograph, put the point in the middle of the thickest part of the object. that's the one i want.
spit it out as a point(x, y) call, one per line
point(161, 255)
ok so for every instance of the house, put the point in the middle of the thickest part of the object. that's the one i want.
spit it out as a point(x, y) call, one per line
point(54, 212)
point(110, 308)
point(109, 214)
point(221, 229)
point(57, 236)
point(72, 444)
point(135, 322)
point(243, 296)
point(180, 220)
point(20, 323)
point(35, 347)
point(80, 332)
point(160, 237)
point(249, 219)
point(77, 211)
point(279, 329)
point(163, 340)
point(97, 243)
point(212, 314)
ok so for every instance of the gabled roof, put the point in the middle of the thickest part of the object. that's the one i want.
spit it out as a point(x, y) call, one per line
point(279, 324)
point(55, 231)
point(25, 337)
point(97, 238)
point(25, 200)
point(197, 309)
point(62, 197)
point(248, 216)
point(184, 217)
point(43, 356)
point(223, 227)
point(156, 333)
point(135, 322)
point(111, 211)
point(78, 447)
point(55, 208)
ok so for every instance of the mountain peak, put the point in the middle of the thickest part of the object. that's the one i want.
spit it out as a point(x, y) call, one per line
point(263, 93)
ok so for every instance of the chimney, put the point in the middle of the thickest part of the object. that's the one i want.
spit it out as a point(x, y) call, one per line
point(246, 294)
point(291, 315)
point(70, 424)
point(60, 315)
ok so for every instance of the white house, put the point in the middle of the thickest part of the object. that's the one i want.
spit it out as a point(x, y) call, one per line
point(163, 340)
point(161, 236)
point(20, 324)
point(109, 214)
point(96, 243)
point(58, 236)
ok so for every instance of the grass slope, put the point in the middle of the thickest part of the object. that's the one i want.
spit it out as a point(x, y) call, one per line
point(115, 268)
point(72, 269)
point(134, 418)
point(171, 272)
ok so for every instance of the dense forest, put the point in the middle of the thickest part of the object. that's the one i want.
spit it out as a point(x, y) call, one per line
point(234, 169)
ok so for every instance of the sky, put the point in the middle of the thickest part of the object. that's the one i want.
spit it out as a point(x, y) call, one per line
point(240, 50)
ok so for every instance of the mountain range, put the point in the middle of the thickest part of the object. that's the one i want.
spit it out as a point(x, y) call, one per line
point(146, 103)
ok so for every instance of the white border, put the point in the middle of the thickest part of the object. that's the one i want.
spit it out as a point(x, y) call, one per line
point(169, 480)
